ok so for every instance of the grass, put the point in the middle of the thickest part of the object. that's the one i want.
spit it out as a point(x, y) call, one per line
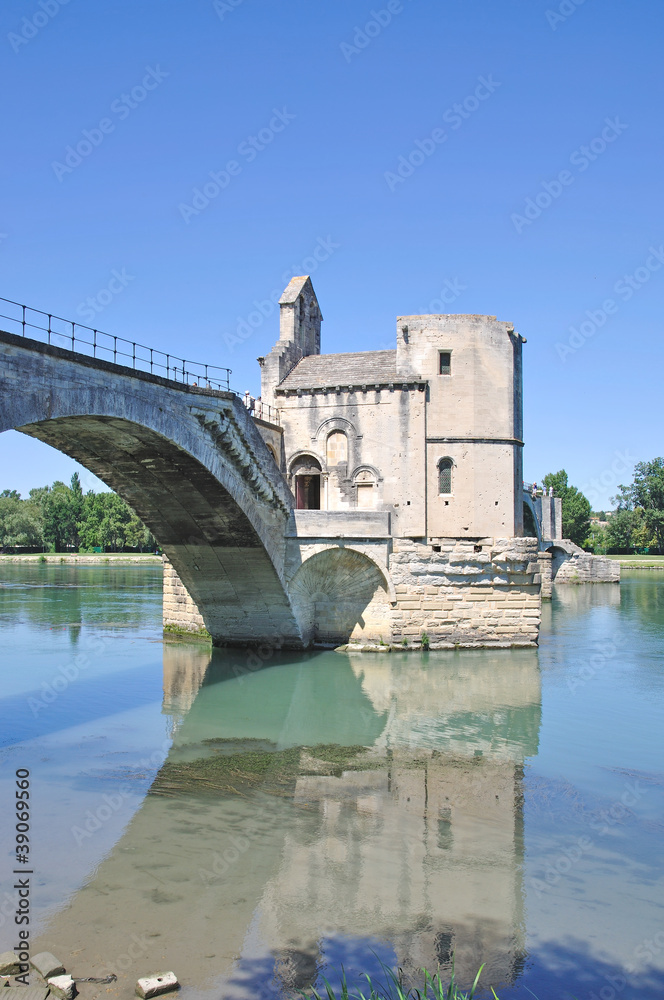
point(394, 989)
point(641, 562)
point(195, 635)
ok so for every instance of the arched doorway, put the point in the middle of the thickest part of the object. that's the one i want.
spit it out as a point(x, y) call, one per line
point(306, 475)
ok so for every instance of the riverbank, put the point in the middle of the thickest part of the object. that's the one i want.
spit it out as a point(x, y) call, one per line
point(85, 558)
point(640, 562)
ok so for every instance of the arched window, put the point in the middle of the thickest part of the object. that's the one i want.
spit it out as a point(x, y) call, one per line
point(337, 448)
point(445, 475)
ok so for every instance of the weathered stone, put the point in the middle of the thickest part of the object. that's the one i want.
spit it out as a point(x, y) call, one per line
point(25, 993)
point(9, 963)
point(63, 987)
point(46, 964)
point(152, 986)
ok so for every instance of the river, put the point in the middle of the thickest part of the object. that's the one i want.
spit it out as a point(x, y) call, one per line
point(256, 822)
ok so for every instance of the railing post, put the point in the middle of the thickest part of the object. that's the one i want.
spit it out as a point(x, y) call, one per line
point(23, 320)
point(49, 327)
point(133, 356)
point(94, 343)
point(73, 335)
point(115, 350)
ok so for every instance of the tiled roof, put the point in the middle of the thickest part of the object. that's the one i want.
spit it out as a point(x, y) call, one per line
point(317, 371)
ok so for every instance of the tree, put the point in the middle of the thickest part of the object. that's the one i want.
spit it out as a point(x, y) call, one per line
point(644, 500)
point(596, 540)
point(648, 494)
point(76, 503)
point(59, 511)
point(620, 529)
point(21, 522)
point(66, 518)
point(576, 507)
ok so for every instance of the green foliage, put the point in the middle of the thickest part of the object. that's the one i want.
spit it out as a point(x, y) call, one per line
point(638, 521)
point(64, 519)
point(21, 521)
point(576, 507)
point(596, 540)
point(395, 989)
point(424, 640)
point(620, 531)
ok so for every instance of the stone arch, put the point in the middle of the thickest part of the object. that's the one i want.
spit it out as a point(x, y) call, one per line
point(306, 481)
point(300, 457)
point(342, 595)
point(190, 462)
point(529, 505)
point(366, 487)
point(559, 556)
point(371, 469)
point(341, 425)
point(335, 424)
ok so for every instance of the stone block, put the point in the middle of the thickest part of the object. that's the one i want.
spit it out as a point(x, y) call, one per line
point(9, 963)
point(47, 965)
point(25, 993)
point(63, 987)
point(155, 985)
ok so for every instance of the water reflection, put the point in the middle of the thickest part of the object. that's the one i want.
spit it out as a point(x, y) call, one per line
point(65, 597)
point(314, 812)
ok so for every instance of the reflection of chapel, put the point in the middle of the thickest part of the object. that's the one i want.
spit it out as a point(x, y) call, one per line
point(430, 432)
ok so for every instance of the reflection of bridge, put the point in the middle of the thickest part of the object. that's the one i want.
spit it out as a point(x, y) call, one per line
point(416, 842)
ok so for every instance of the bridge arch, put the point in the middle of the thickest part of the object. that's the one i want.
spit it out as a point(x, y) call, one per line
point(343, 593)
point(189, 461)
point(531, 518)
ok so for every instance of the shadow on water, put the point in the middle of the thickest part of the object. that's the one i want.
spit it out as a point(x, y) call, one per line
point(317, 811)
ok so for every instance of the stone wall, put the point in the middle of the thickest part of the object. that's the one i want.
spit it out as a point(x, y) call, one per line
point(544, 559)
point(584, 567)
point(178, 607)
point(467, 593)
point(460, 593)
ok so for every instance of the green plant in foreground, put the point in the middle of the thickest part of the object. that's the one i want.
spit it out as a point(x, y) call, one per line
point(394, 988)
point(424, 640)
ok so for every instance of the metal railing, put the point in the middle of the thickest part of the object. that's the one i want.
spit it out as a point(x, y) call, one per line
point(261, 411)
point(72, 336)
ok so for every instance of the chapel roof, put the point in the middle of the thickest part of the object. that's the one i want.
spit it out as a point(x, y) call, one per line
point(317, 371)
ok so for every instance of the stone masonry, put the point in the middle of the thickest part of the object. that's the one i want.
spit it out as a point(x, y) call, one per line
point(460, 593)
point(380, 504)
point(179, 608)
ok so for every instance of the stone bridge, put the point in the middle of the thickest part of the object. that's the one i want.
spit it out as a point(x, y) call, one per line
point(190, 462)
point(561, 560)
point(200, 471)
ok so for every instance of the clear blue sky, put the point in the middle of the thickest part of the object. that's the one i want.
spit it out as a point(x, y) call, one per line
point(351, 105)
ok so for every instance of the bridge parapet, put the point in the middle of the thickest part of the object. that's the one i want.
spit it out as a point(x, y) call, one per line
point(190, 461)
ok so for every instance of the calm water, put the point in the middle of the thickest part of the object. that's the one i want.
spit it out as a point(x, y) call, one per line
point(256, 829)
